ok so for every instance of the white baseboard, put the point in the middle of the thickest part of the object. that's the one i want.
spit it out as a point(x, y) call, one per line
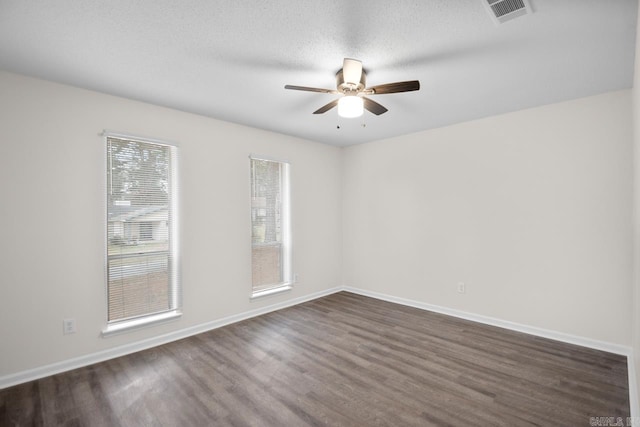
point(101, 356)
point(78, 362)
point(531, 330)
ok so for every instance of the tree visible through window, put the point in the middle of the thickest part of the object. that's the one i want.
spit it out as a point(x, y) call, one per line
point(141, 263)
point(270, 235)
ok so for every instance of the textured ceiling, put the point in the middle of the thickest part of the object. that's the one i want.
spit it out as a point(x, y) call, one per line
point(230, 59)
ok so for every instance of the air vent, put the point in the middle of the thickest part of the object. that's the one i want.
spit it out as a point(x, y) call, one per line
point(505, 10)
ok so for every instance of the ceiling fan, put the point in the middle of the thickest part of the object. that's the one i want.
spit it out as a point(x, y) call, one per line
point(351, 82)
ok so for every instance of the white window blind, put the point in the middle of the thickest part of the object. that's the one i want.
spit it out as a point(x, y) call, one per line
point(142, 277)
point(270, 226)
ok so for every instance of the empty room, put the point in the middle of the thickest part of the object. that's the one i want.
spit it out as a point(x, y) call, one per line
point(293, 213)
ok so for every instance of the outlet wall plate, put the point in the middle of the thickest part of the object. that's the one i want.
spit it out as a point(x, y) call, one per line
point(69, 326)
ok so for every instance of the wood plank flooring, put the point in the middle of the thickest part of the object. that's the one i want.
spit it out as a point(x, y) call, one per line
point(341, 360)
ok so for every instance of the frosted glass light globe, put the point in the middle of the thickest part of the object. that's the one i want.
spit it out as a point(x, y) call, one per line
point(350, 106)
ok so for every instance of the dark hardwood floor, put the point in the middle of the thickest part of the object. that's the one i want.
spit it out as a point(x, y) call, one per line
point(339, 360)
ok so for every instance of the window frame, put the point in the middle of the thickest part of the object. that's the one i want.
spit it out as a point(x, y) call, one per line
point(114, 327)
point(286, 229)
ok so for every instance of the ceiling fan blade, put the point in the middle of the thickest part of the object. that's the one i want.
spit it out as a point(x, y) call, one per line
point(394, 88)
point(327, 107)
point(351, 71)
point(373, 106)
point(310, 89)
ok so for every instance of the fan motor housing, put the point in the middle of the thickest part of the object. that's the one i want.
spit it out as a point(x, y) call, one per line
point(348, 87)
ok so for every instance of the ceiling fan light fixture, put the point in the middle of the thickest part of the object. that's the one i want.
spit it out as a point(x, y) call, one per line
point(351, 83)
point(350, 106)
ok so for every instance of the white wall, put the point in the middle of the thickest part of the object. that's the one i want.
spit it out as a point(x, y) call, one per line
point(636, 211)
point(52, 216)
point(532, 210)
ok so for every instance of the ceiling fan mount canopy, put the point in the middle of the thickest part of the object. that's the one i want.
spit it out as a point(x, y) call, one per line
point(351, 80)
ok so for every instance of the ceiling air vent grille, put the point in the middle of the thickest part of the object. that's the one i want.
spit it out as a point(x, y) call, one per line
point(504, 10)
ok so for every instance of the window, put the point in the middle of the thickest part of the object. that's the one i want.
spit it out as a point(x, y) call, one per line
point(270, 227)
point(142, 276)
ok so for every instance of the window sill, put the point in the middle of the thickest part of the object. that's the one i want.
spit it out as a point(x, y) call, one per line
point(129, 325)
point(272, 291)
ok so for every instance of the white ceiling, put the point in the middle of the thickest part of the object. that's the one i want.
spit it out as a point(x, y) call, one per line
point(230, 59)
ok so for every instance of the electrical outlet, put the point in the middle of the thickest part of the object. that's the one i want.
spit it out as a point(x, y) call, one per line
point(295, 278)
point(461, 288)
point(69, 326)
